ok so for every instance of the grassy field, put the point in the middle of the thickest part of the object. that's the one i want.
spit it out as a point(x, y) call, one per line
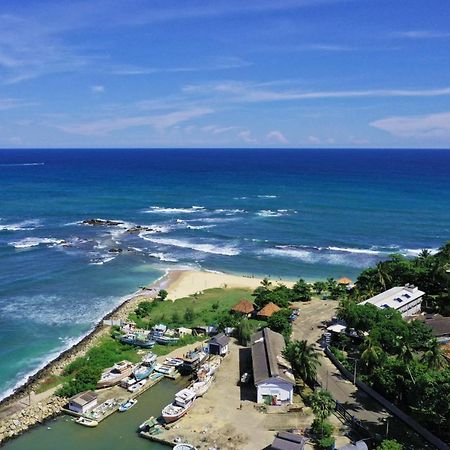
point(193, 311)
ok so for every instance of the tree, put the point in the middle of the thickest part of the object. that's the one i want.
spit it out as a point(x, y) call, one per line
point(319, 287)
point(390, 444)
point(244, 331)
point(301, 291)
point(433, 357)
point(279, 322)
point(162, 294)
point(189, 315)
point(304, 359)
point(322, 404)
point(372, 354)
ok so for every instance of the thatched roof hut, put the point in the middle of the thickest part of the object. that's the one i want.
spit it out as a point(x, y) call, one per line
point(268, 310)
point(243, 307)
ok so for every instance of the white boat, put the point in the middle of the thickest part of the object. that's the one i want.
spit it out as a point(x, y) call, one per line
point(149, 359)
point(86, 422)
point(165, 369)
point(136, 387)
point(184, 446)
point(201, 387)
point(127, 382)
point(183, 402)
point(113, 375)
point(127, 405)
point(175, 362)
point(208, 369)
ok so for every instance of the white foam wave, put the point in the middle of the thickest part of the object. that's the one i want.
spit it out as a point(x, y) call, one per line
point(363, 251)
point(276, 213)
point(163, 257)
point(102, 260)
point(21, 226)
point(23, 164)
point(267, 196)
point(163, 210)
point(34, 242)
point(204, 248)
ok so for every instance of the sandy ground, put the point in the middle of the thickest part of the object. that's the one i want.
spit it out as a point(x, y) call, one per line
point(228, 417)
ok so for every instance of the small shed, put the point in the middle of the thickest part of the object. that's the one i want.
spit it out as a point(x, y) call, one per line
point(244, 307)
point(182, 331)
point(288, 441)
point(268, 310)
point(219, 345)
point(345, 281)
point(83, 402)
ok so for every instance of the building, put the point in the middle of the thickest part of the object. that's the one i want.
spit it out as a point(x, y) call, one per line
point(272, 374)
point(244, 307)
point(288, 441)
point(219, 345)
point(83, 402)
point(268, 310)
point(359, 445)
point(407, 300)
point(440, 326)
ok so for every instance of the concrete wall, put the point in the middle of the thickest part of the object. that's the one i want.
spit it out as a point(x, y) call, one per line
point(281, 389)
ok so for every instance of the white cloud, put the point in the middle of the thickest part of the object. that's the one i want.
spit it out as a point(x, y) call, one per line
point(425, 126)
point(15, 140)
point(421, 34)
point(217, 129)
point(10, 103)
point(277, 136)
point(247, 137)
point(314, 140)
point(161, 121)
point(98, 89)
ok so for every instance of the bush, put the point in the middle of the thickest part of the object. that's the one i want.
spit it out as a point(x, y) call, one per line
point(279, 322)
point(326, 442)
point(189, 315)
point(390, 444)
point(321, 428)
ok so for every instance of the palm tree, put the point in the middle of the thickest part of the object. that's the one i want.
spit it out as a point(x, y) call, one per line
point(266, 283)
point(304, 359)
point(433, 357)
point(322, 404)
point(383, 276)
point(372, 354)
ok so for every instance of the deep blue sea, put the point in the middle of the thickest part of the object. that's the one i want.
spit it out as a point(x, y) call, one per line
point(289, 213)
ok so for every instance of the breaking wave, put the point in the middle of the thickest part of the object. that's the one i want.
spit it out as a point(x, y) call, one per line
point(20, 226)
point(30, 242)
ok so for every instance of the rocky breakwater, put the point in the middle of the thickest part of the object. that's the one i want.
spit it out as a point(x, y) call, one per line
point(30, 416)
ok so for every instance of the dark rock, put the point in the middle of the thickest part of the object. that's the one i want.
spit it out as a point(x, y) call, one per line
point(101, 222)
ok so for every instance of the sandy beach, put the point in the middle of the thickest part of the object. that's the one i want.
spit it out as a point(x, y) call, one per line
point(178, 283)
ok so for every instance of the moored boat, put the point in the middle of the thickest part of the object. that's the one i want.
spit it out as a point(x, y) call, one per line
point(166, 340)
point(164, 369)
point(86, 422)
point(137, 386)
point(149, 359)
point(182, 403)
point(201, 387)
point(127, 405)
point(138, 339)
point(173, 362)
point(113, 375)
point(141, 371)
point(184, 446)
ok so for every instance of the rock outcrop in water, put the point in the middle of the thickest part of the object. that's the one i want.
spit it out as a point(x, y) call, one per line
point(102, 222)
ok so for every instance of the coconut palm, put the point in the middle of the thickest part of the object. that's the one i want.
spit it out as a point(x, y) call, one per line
point(304, 359)
point(372, 354)
point(322, 404)
point(433, 357)
point(383, 276)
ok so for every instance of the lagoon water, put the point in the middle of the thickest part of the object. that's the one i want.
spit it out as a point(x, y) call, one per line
point(289, 213)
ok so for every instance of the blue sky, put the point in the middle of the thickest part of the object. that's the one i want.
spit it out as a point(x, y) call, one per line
point(225, 73)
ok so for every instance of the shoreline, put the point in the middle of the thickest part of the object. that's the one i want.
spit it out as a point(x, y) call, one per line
point(180, 283)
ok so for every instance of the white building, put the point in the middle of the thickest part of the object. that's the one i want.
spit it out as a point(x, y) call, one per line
point(83, 402)
point(272, 374)
point(407, 300)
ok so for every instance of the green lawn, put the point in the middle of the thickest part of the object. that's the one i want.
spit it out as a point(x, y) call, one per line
point(206, 308)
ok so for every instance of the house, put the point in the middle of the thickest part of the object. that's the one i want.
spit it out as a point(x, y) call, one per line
point(268, 310)
point(440, 326)
point(244, 307)
point(407, 300)
point(272, 374)
point(288, 441)
point(219, 345)
point(83, 402)
point(359, 445)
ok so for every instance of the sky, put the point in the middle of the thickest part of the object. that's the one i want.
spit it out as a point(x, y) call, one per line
point(225, 73)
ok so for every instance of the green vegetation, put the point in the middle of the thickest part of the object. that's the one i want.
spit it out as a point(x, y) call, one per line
point(304, 359)
point(390, 444)
point(279, 322)
point(196, 310)
point(84, 372)
point(322, 405)
point(162, 350)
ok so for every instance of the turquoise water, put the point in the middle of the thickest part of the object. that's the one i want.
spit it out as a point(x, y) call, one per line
point(290, 213)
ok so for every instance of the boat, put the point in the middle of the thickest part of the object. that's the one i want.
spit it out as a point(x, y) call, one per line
point(208, 369)
point(192, 360)
point(127, 405)
point(149, 423)
point(141, 372)
point(114, 375)
point(149, 359)
point(137, 386)
point(201, 387)
point(127, 382)
point(184, 446)
point(164, 369)
point(182, 403)
point(173, 362)
point(166, 340)
point(86, 422)
point(138, 340)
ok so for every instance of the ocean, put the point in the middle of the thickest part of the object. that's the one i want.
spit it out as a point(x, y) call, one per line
point(283, 213)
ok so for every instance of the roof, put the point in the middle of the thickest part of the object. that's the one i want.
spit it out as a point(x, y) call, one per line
point(267, 359)
point(269, 309)
point(344, 280)
point(220, 339)
point(288, 441)
point(359, 445)
point(440, 325)
point(244, 307)
point(337, 328)
point(396, 297)
point(84, 398)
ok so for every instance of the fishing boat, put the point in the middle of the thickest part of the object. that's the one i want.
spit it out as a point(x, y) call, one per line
point(137, 386)
point(114, 375)
point(175, 362)
point(201, 387)
point(182, 403)
point(141, 372)
point(149, 423)
point(184, 446)
point(164, 369)
point(138, 340)
point(127, 405)
point(149, 359)
point(166, 340)
point(127, 382)
point(86, 422)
